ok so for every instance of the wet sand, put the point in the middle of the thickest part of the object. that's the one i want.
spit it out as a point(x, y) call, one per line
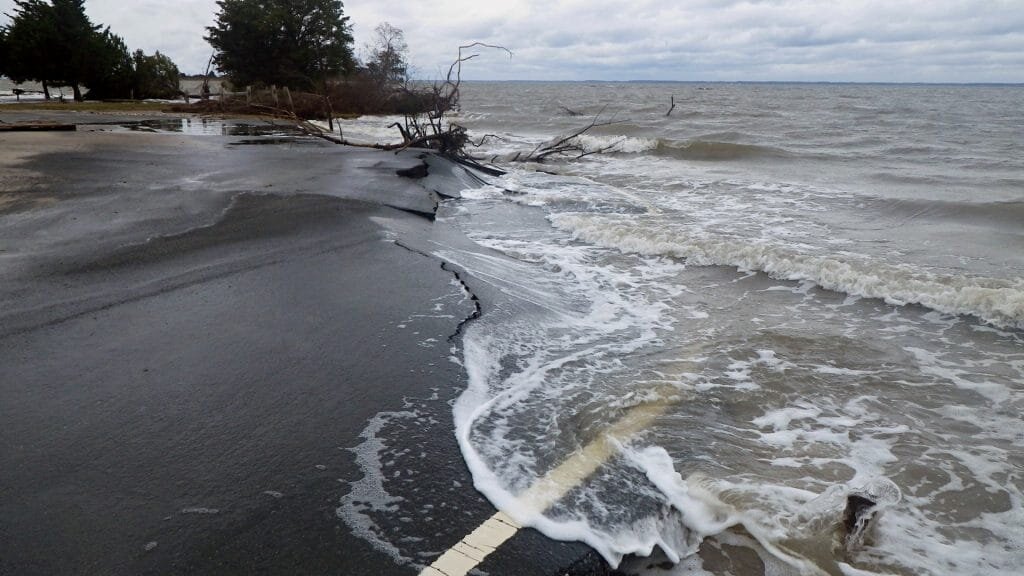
point(194, 333)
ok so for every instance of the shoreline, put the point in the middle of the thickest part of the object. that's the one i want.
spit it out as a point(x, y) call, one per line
point(195, 335)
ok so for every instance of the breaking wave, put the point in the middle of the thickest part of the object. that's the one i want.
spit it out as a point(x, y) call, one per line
point(757, 406)
point(697, 149)
point(997, 301)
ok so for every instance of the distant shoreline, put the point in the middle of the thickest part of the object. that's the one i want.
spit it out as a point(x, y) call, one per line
point(6, 84)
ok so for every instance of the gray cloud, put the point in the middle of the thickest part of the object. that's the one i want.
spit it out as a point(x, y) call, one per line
point(806, 40)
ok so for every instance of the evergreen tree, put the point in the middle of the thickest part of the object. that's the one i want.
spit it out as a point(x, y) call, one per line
point(109, 71)
point(77, 39)
point(4, 55)
point(52, 43)
point(296, 43)
point(55, 43)
point(31, 38)
point(156, 76)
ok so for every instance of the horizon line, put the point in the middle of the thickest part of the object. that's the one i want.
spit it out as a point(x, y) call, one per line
point(649, 81)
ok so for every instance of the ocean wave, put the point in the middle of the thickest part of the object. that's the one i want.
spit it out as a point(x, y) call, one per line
point(367, 129)
point(621, 144)
point(715, 150)
point(698, 149)
point(1008, 214)
point(997, 301)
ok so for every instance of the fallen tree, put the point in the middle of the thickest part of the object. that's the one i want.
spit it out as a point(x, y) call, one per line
point(432, 127)
point(569, 146)
point(437, 132)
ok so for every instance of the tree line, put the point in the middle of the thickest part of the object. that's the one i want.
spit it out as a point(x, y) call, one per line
point(55, 43)
point(306, 45)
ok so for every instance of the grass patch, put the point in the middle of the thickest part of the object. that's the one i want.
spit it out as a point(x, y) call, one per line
point(119, 106)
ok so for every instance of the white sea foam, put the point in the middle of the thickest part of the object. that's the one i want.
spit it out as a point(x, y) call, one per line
point(588, 327)
point(366, 129)
point(785, 398)
point(819, 435)
point(587, 299)
point(624, 144)
point(998, 301)
point(369, 494)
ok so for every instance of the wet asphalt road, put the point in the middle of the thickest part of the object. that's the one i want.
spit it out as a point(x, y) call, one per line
point(193, 336)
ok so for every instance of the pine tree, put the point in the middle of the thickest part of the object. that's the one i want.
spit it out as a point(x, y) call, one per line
point(296, 43)
point(156, 76)
point(51, 42)
point(76, 40)
point(31, 37)
point(109, 71)
point(55, 43)
point(4, 54)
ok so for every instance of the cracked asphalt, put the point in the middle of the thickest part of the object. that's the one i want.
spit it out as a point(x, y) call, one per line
point(194, 337)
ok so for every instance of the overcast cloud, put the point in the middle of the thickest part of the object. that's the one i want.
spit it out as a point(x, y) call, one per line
point(804, 40)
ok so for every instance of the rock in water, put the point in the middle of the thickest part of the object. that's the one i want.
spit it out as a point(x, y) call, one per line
point(859, 512)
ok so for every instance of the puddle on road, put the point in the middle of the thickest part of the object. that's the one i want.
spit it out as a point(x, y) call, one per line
point(212, 127)
point(275, 140)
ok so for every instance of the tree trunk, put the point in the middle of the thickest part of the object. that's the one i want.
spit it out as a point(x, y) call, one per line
point(46, 90)
point(330, 109)
point(78, 91)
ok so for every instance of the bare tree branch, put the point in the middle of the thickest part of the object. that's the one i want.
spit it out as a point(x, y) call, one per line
point(570, 145)
point(487, 137)
point(433, 132)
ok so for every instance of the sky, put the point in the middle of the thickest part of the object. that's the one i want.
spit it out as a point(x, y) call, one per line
point(688, 40)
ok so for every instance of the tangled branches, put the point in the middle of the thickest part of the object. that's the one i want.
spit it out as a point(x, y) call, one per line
point(570, 145)
point(435, 131)
point(432, 128)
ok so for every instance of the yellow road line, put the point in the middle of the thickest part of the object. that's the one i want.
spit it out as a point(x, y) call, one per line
point(471, 550)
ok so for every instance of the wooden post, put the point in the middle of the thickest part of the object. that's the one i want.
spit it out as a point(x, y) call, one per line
point(248, 94)
point(330, 110)
point(288, 97)
point(273, 93)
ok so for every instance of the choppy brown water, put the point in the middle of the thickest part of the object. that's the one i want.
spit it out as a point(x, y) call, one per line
point(821, 287)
